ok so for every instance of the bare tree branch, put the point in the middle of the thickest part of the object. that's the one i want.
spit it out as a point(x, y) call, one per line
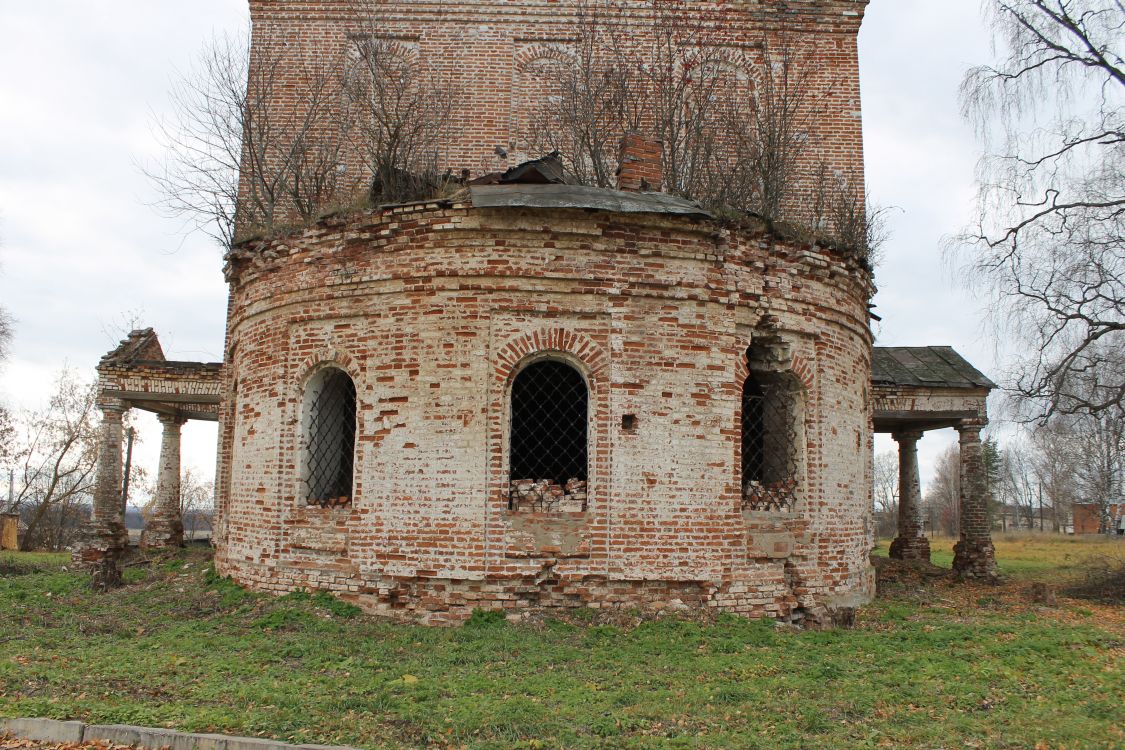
point(241, 158)
point(55, 463)
point(404, 110)
point(1049, 244)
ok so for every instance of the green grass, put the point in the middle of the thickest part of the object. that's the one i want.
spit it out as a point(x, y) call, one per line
point(33, 559)
point(1030, 555)
point(181, 647)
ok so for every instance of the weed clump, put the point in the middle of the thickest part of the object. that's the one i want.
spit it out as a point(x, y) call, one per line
point(284, 619)
point(1103, 580)
point(10, 568)
point(230, 593)
point(483, 618)
point(336, 607)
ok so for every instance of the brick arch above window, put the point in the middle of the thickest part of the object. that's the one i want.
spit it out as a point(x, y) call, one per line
point(589, 356)
point(328, 357)
point(729, 62)
point(406, 48)
point(532, 54)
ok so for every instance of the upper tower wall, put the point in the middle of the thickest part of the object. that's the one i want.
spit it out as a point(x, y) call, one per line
point(496, 57)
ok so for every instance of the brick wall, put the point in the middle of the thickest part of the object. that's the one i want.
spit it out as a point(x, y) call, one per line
point(493, 53)
point(431, 309)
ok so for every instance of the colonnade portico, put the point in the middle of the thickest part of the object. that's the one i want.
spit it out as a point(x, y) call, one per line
point(137, 375)
point(917, 389)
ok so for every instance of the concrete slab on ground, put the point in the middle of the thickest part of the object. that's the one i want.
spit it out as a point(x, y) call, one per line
point(153, 738)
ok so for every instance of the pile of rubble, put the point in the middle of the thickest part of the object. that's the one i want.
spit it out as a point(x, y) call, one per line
point(777, 496)
point(330, 502)
point(548, 496)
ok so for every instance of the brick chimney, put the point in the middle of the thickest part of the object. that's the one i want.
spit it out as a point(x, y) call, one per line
point(642, 165)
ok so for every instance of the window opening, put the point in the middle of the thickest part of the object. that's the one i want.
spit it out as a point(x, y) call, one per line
point(330, 438)
point(769, 442)
point(548, 446)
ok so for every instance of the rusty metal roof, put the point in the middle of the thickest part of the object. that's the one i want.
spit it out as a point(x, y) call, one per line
point(927, 366)
point(580, 196)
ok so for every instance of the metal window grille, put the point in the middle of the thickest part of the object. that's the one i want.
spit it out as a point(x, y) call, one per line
point(548, 448)
point(769, 445)
point(330, 439)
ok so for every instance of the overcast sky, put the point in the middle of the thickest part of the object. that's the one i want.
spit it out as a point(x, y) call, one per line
point(82, 254)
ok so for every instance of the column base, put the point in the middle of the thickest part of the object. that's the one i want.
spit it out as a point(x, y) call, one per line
point(910, 548)
point(975, 560)
point(101, 548)
point(162, 532)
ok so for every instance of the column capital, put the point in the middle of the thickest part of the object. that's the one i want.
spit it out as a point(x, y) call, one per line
point(907, 436)
point(970, 428)
point(171, 419)
point(112, 407)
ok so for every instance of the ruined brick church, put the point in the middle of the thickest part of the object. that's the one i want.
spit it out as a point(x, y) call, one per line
point(536, 394)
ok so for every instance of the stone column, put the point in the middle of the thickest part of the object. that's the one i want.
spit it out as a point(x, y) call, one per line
point(105, 538)
point(165, 528)
point(974, 556)
point(911, 542)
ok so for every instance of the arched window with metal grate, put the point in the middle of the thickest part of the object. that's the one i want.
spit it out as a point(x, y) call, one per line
point(328, 438)
point(771, 432)
point(548, 448)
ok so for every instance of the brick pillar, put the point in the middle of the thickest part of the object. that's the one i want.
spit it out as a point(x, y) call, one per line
point(165, 528)
point(105, 539)
point(642, 165)
point(911, 542)
point(974, 556)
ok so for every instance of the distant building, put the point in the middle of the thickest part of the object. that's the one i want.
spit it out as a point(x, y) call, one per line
point(9, 531)
point(1088, 519)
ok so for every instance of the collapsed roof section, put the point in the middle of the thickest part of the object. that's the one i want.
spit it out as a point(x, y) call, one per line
point(137, 374)
point(140, 345)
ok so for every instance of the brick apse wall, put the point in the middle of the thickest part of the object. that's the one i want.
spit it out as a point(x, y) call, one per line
point(431, 309)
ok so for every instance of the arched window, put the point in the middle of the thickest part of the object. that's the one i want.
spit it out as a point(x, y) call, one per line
point(771, 431)
point(548, 445)
point(329, 438)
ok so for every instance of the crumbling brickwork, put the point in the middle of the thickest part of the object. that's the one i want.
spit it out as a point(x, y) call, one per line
point(433, 308)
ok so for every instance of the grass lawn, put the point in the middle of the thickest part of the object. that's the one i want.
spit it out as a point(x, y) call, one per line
point(931, 664)
point(1031, 556)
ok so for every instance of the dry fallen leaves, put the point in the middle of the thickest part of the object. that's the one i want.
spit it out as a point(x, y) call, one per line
point(17, 743)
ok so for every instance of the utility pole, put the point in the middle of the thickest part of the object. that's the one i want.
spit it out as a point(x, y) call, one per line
point(1040, 508)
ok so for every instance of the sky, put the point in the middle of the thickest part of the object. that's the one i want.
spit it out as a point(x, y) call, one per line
point(84, 255)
